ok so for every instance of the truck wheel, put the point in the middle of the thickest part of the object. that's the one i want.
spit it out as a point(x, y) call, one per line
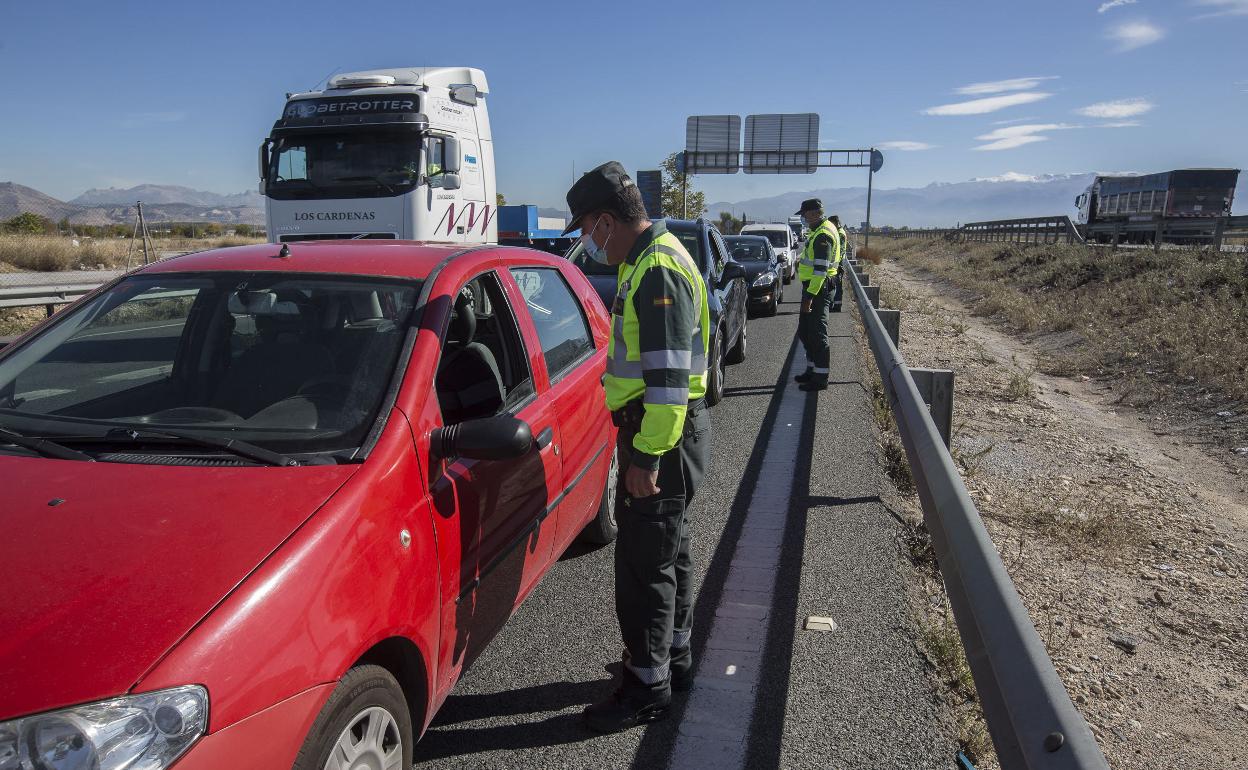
point(715, 371)
point(737, 354)
point(602, 529)
point(365, 723)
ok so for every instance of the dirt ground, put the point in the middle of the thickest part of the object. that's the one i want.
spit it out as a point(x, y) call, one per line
point(1125, 538)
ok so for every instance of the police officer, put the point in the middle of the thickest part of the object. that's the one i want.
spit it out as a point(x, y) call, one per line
point(821, 258)
point(655, 383)
point(837, 277)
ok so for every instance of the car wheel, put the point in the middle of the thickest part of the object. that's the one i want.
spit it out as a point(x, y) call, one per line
point(737, 354)
point(774, 307)
point(603, 529)
point(364, 724)
point(715, 371)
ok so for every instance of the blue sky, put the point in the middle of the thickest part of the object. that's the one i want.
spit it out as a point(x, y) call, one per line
point(121, 93)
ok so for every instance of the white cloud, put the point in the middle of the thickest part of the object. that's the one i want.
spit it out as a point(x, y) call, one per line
point(1016, 136)
point(905, 146)
point(989, 104)
point(1225, 8)
point(1012, 121)
point(1135, 34)
point(999, 86)
point(1114, 4)
point(1117, 109)
point(1120, 124)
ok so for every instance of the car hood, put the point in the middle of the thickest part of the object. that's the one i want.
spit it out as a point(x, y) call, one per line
point(97, 588)
point(755, 269)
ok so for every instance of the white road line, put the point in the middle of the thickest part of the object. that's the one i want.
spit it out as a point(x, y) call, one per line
point(714, 732)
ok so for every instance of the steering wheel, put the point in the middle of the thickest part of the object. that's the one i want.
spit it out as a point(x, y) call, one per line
point(191, 414)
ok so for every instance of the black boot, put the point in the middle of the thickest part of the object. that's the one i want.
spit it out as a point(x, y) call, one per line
point(804, 376)
point(633, 703)
point(813, 384)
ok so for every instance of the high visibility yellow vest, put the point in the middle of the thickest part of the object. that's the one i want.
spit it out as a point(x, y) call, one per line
point(666, 372)
point(812, 271)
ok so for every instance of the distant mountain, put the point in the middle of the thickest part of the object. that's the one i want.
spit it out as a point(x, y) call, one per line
point(940, 204)
point(113, 206)
point(154, 194)
point(17, 199)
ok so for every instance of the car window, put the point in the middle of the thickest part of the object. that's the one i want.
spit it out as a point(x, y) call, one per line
point(717, 252)
point(483, 370)
point(558, 316)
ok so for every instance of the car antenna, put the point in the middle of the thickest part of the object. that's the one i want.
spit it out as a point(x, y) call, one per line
point(284, 253)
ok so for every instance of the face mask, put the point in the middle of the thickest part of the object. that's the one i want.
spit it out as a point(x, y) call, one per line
point(596, 252)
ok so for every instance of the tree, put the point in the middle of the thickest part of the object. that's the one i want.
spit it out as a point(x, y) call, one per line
point(244, 231)
point(29, 223)
point(500, 199)
point(729, 224)
point(676, 186)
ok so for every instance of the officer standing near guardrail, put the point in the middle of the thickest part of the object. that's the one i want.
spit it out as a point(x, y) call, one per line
point(655, 383)
point(820, 258)
point(844, 252)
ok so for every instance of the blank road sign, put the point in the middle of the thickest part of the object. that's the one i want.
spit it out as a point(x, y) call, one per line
point(712, 144)
point(781, 143)
point(650, 184)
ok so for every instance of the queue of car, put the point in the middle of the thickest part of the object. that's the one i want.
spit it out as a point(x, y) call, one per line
point(226, 466)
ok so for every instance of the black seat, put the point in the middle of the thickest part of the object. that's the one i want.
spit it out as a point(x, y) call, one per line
point(469, 382)
point(277, 366)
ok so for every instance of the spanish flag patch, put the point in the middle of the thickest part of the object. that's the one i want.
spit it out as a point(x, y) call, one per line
point(662, 301)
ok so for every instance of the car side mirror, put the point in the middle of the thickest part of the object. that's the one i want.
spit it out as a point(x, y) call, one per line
point(732, 271)
point(501, 437)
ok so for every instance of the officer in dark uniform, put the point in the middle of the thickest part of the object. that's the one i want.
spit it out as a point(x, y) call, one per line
point(820, 261)
point(655, 383)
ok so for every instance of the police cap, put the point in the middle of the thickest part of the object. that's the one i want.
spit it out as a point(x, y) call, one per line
point(597, 189)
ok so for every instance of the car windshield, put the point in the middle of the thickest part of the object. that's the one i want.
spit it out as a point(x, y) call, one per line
point(779, 238)
point(362, 162)
point(747, 249)
point(688, 236)
point(293, 363)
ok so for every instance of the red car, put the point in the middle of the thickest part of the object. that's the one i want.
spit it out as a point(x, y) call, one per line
point(262, 507)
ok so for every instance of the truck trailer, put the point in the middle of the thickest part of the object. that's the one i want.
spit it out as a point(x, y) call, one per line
point(393, 153)
point(1186, 193)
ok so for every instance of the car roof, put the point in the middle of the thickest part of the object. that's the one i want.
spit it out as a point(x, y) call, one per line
point(767, 226)
point(400, 259)
point(747, 238)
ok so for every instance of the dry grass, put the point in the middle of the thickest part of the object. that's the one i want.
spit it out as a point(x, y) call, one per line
point(49, 253)
point(869, 254)
point(1170, 318)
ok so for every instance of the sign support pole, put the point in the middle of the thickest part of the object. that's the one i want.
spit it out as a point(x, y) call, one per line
point(866, 239)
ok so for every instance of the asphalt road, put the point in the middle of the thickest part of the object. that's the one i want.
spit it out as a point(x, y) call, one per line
point(857, 697)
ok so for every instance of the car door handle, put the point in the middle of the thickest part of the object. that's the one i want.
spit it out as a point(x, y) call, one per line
point(544, 438)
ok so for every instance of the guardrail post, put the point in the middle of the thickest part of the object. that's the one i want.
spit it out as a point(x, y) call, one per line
point(4, 341)
point(865, 278)
point(892, 324)
point(936, 388)
point(873, 295)
point(1217, 233)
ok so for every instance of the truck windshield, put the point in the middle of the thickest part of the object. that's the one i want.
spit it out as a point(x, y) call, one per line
point(292, 363)
point(360, 163)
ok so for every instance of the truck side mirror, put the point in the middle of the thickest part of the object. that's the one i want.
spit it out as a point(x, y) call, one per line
point(264, 159)
point(449, 181)
point(452, 157)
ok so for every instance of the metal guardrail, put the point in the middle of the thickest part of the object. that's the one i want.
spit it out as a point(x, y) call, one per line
point(1032, 721)
point(1027, 230)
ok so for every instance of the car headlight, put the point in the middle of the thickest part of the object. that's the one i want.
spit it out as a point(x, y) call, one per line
point(765, 279)
point(134, 732)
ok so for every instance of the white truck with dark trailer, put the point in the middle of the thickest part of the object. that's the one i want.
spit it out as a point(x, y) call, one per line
point(394, 153)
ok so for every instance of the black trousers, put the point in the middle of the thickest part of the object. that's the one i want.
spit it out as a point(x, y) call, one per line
point(812, 331)
point(653, 574)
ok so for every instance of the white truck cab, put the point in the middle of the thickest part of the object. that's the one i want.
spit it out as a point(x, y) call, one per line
point(395, 153)
point(783, 242)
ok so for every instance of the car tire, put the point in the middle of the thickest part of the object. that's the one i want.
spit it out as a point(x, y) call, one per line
point(774, 307)
point(737, 354)
point(602, 529)
point(366, 713)
point(715, 371)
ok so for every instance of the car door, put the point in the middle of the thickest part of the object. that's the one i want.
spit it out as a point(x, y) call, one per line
point(575, 371)
point(493, 537)
point(732, 295)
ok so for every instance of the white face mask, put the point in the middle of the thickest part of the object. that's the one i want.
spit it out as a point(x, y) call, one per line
point(596, 252)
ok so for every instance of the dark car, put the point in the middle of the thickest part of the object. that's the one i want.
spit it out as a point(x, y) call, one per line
point(763, 271)
point(726, 291)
